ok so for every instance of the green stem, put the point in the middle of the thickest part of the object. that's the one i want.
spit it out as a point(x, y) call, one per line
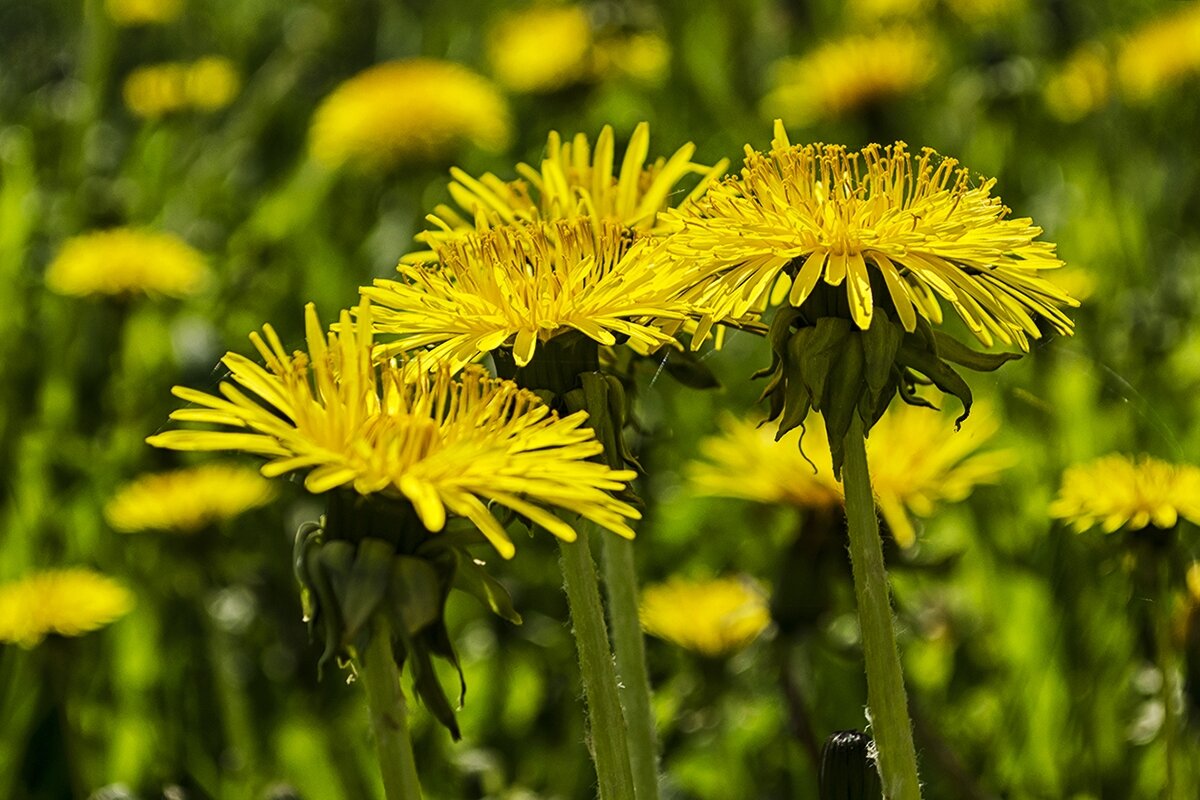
point(886, 698)
point(389, 718)
point(620, 579)
point(607, 723)
point(1166, 667)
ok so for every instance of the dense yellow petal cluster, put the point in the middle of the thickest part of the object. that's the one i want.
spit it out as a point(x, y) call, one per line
point(1160, 53)
point(187, 500)
point(127, 261)
point(445, 445)
point(66, 602)
point(517, 285)
point(1079, 86)
point(143, 12)
point(878, 219)
point(1119, 491)
point(916, 459)
point(207, 84)
point(844, 75)
point(404, 111)
point(542, 48)
point(714, 617)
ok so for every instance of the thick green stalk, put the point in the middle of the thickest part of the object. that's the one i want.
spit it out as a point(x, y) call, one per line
point(620, 579)
point(886, 698)
point(389, 717)
point(610, 750)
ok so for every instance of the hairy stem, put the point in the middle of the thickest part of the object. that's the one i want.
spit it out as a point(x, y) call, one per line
point(389, 717)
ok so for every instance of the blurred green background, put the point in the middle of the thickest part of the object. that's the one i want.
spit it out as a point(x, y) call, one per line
point(1030, 650)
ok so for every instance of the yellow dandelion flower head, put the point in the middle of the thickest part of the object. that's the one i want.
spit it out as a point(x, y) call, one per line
point(143, 12)
point(574, 180)
point(899, 230)
point(66, 602)
point(541, 48)
point(123, 261)
point(154, 91)
point(1160, 53)
point(518, 285)
point(841, 76)
point(715, 618)
point(1118, 491)
point(917, 462)
point(411, 110)
point(444, 445)
point(1080, 86)
point(187, 500)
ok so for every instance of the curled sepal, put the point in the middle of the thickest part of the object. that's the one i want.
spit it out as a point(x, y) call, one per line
point(367, 585)
point(472, 578)
point(687, 368)
point(308, 537)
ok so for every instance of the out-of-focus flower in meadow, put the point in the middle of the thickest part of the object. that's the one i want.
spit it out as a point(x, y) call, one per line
point(408, 111)
point(441, 444)
point(715, 618)
point(541, 48)
point(643, 56)
point(1079, 86)
point(187, 500)
point(916, 459)
point(574, 180)
point(1119, 491)
point(1160, 53)
point(872, 10)
point(66, 602)
point(848, 74)
point(515, 286)
point(981, 12)
point(123, 261)
point(143, 12)
point(207, 84)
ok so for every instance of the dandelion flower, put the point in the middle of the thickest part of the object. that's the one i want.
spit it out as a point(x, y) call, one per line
point(154, 91)
point(845, 75)
point(66, 602)
point(880, 217)
point(408, 111)
point(1080, 86)
point(125, 261)
point(1160, 53)
point(187, 500)
point(143, 12)
point(444, 445)
point(715, 618)
point(541, 48)
point(1118, 491)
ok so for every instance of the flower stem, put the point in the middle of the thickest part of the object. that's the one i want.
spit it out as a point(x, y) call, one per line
point(620, 579)
point(610, 750)
point(886, 698)
point(1167, 667)
point(389, 718)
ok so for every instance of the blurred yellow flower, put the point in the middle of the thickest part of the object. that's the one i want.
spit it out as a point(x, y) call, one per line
point(442, 444)
point(187, 500)
point(1160, 53)
point(644, 57)
point(541, 48)
point(713, 617)
point(985, 11)
point(847, 74)
point(916, 459)
point(143, 12)
point(66, 602)
point(1118, 491)
point(208, 84)
point(877, 218)
point(1079, 86)
point(127, 261)
point(871, 10)
point(404, 111)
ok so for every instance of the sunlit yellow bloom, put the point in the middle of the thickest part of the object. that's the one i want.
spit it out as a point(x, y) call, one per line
point(916, 459)
point(1080, 86)
point(1118, 491)
point(898, 230)
point(66, 602)
point(643, 56)
point(187, 500)
point(127, 261)
point(845, 75)
point(516, 286)
point(1160, 53)
point(208, 84)
point(574, 180)
point(445, 445)
point(143, 12)
point(405, 111)
point(541, 48)
point(714, 618)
